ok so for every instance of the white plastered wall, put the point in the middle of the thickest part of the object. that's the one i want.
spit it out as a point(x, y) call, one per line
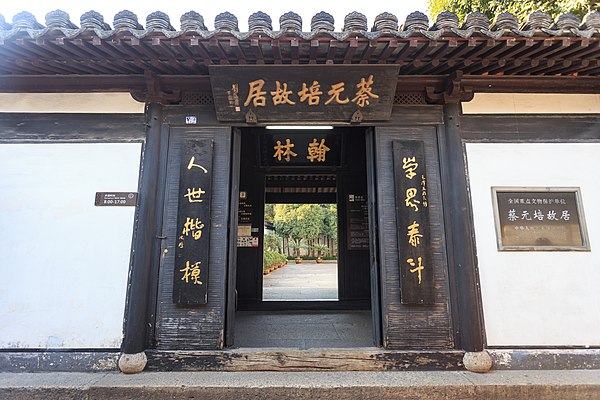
point(532, 103)
point(65, 262)
point(537, 298)
point(92, 103)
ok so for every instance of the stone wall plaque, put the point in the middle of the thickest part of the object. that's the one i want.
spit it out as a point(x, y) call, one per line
point(539, 219)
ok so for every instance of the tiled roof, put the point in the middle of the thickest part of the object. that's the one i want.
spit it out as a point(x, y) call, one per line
point(386, 24)
point(540, 45)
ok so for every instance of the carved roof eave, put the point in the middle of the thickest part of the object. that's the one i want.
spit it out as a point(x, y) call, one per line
point(7, 35)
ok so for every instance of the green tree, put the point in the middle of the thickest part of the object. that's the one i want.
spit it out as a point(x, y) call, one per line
point(299, 221)
point(270, 212)
point(520, 8)
point(330, 221)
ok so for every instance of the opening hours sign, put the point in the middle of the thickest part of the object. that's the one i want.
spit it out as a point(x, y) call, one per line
point(303, 93)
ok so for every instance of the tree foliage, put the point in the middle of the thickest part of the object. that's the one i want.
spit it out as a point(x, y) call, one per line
point(299, 221)
point(520, 8)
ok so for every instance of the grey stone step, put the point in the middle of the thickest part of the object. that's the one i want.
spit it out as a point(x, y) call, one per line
point(514, 385)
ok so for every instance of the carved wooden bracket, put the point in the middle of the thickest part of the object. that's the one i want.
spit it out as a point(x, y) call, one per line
point(251, 118)
point(154, 93)
point(455, 91)
point(357, 117)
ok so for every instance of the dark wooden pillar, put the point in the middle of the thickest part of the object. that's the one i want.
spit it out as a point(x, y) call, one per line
point(460, 235)
point(146, 241)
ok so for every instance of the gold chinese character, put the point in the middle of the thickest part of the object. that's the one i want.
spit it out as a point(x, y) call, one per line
point(317, 151)
point(284, 150)
point(414, 236)
point(256, 94)
point(193, 226)
point(191, 272)
point(311, 93)
point(418, 268)
point(410, 165)
point(410, 200)
point(191, 165)
point(181, 241)
point(193, 195)
point(335, 92)
point(281, 94)
point(364, 92)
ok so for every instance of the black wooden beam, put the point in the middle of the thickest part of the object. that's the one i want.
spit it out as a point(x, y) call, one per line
point(146, 243)
point(537, 84)
point(406, 84)
point(460, 236)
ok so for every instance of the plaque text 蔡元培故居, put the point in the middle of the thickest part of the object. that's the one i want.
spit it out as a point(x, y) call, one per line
point(539, 219)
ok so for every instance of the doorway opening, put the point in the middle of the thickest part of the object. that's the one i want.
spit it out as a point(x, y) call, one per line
point(297, 204)
point(300, 260)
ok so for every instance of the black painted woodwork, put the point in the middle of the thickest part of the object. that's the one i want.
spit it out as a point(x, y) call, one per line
point(190, 276)
point(411, 326)
point(232, 237)
point(203, 327)
point(412, 214)
point(145, 242)
point(374, 267)
point(239, 89)
point(461, 246)
point(353, 267)
point(530, 128)
point(76, 128)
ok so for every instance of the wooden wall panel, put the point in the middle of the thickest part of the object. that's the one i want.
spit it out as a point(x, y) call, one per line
point(539, 128)
point(199, 327)
point(404, 326)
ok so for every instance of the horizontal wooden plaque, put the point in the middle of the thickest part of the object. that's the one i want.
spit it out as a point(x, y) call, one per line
point(539, 219)
point(313, 93)
point(312, 148)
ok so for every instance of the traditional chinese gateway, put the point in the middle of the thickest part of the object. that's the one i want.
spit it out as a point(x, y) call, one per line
point(136, 163)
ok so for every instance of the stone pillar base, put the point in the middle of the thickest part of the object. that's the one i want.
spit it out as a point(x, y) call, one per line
point(480, 361)
point(132, 363)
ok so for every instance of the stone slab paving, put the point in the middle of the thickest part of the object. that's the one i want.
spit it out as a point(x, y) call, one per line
point(308, 281)
point(303, 330)
point(514, 385)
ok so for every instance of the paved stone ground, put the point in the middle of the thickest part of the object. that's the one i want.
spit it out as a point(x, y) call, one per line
point(302, 282)
point(438, 385)
point(303, 330)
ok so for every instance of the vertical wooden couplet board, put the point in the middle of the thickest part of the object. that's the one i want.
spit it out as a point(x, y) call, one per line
point(190, 278)
point(412, 210)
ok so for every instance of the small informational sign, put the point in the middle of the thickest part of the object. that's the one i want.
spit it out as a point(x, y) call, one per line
point(357, 211)
point(247, 241)
point(116, 199)
point(190, 278)
point(412, 210)
point(301, 149)
point(191, 120)
point(244, 230)
point(539, 219)
point(244, 213)
point(303, 93)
